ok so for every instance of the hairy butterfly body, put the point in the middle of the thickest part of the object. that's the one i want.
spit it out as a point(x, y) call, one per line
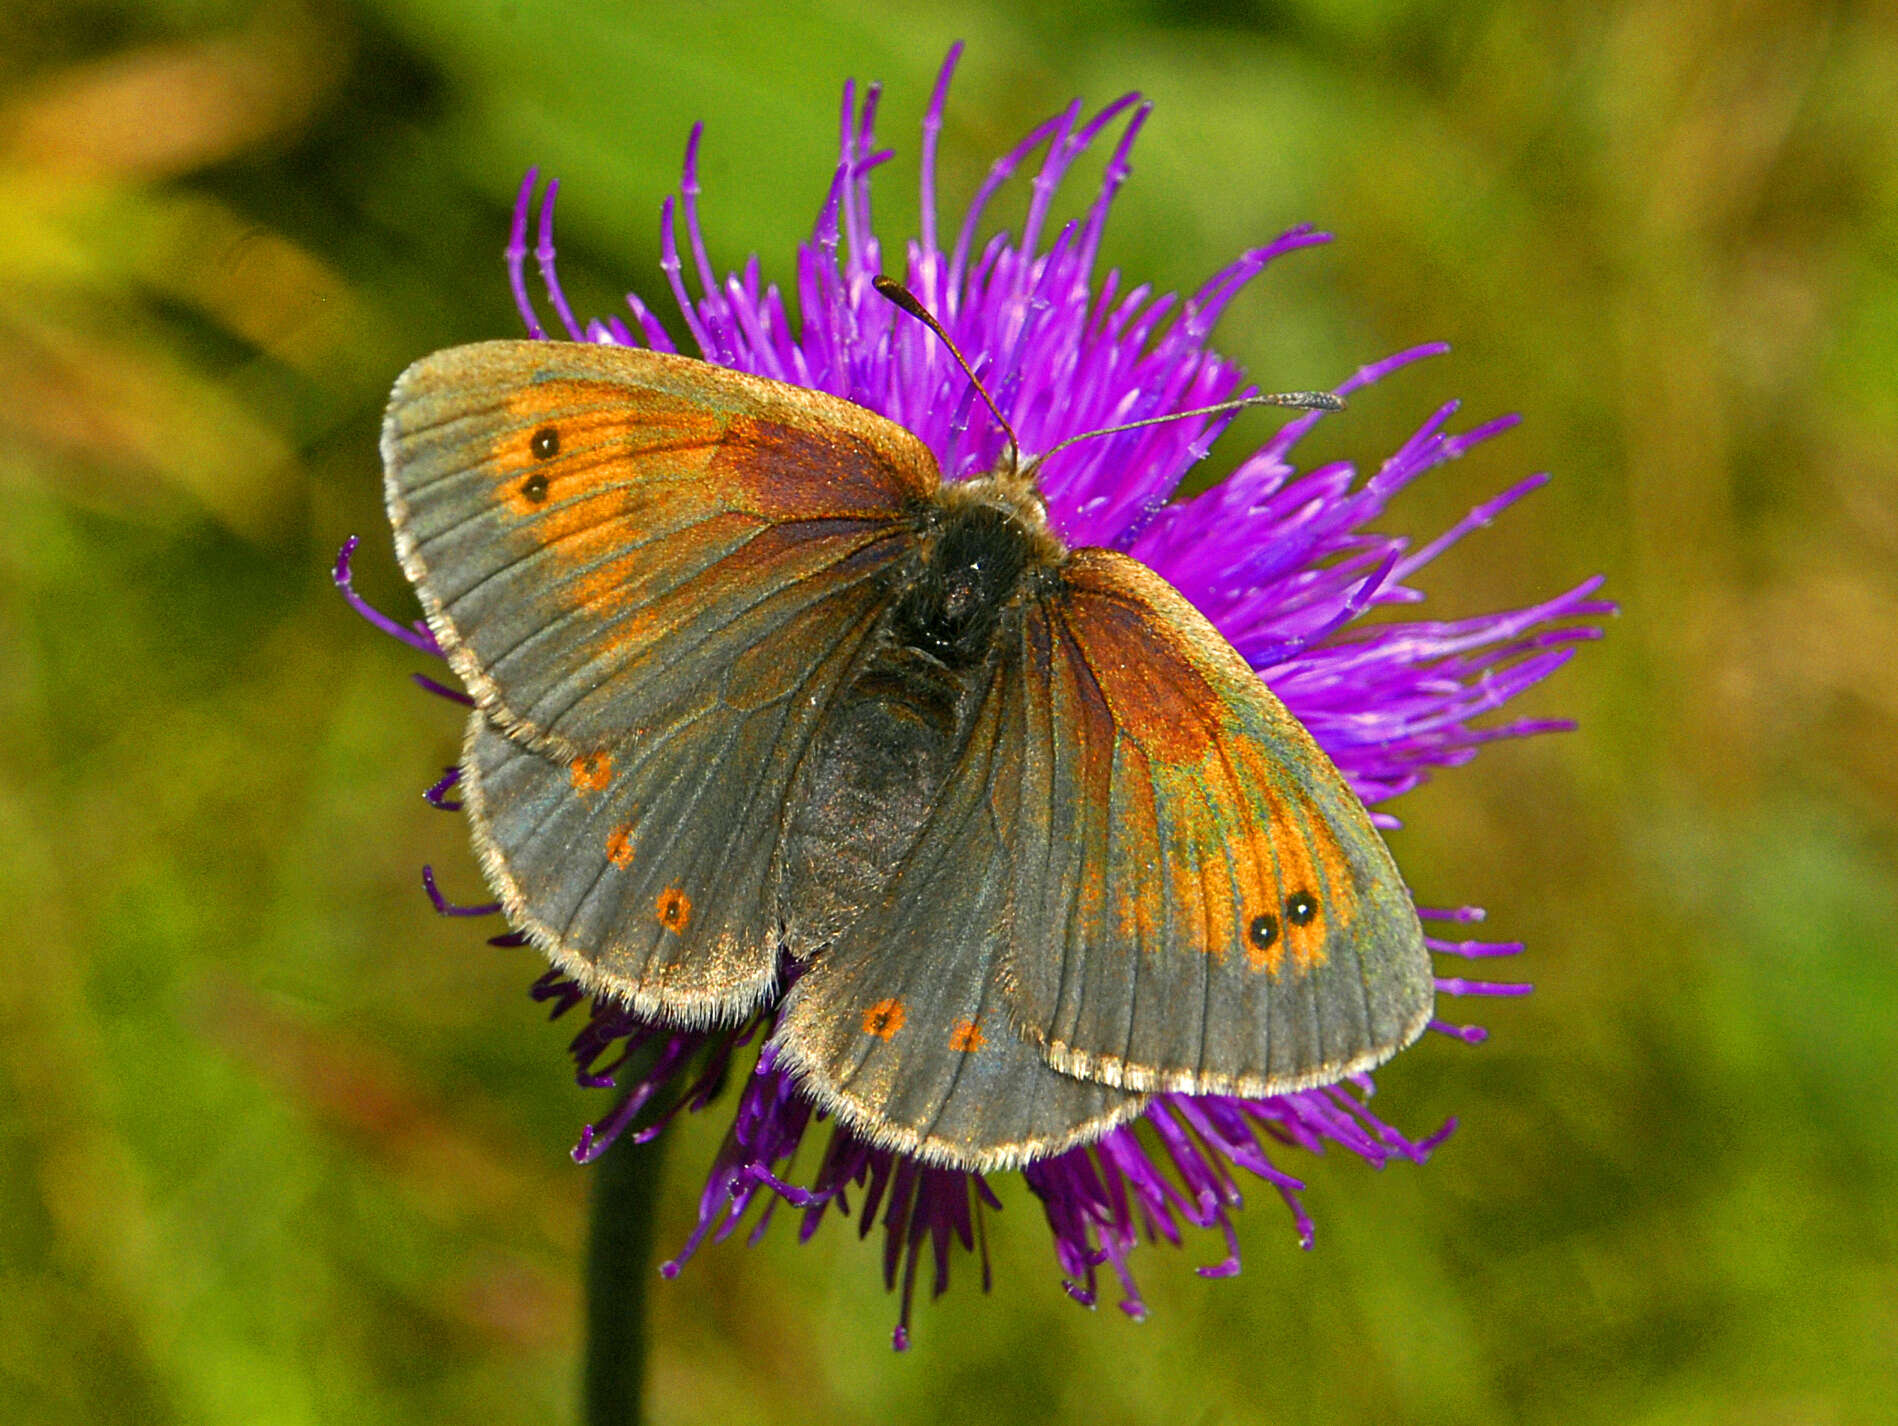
point(752, 683)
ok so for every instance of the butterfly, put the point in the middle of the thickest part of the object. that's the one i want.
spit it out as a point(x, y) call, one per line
point(767, 710)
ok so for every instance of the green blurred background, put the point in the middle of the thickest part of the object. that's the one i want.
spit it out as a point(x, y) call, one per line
point(277, 1145)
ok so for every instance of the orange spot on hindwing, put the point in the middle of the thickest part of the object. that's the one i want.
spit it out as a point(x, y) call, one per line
point(674, 908)
point(884, 1018)
point(966, 1037)
point(591, 771)
point(619, 845)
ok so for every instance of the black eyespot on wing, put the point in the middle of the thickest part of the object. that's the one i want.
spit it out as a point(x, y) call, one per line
point(1300, 907)
point(534, 488)
point(546, 443)
point(1263, 931)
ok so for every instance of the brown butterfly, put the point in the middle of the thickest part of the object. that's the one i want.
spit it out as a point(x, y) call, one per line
point(754, 688)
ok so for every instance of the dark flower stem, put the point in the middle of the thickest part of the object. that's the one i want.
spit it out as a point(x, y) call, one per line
point(619, 1268)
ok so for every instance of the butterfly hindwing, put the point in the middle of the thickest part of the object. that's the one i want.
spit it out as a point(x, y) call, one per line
point(902, 1029)
point(649, 866)
point(652, 575)
point(1201, 904)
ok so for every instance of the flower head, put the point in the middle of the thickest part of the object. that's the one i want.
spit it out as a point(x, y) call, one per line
point(1281, 560)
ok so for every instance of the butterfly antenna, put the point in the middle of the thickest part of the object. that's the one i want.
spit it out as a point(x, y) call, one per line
point(1300, 400)
point(902, 297)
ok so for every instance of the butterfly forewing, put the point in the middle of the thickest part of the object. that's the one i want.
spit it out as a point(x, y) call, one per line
point(1200, 903)
point(570, 513)
point(653, 575)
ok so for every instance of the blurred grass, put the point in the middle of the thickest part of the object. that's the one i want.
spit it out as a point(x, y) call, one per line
point(278, 1145)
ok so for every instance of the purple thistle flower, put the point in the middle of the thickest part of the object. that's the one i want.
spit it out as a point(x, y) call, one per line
point(1282, 561)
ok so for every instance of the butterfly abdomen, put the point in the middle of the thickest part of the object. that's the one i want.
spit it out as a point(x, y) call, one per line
point(883, 753)
point(866, 787)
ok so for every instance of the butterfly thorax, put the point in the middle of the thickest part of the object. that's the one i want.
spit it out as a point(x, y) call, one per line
point(983, 542)
point(965, 574)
